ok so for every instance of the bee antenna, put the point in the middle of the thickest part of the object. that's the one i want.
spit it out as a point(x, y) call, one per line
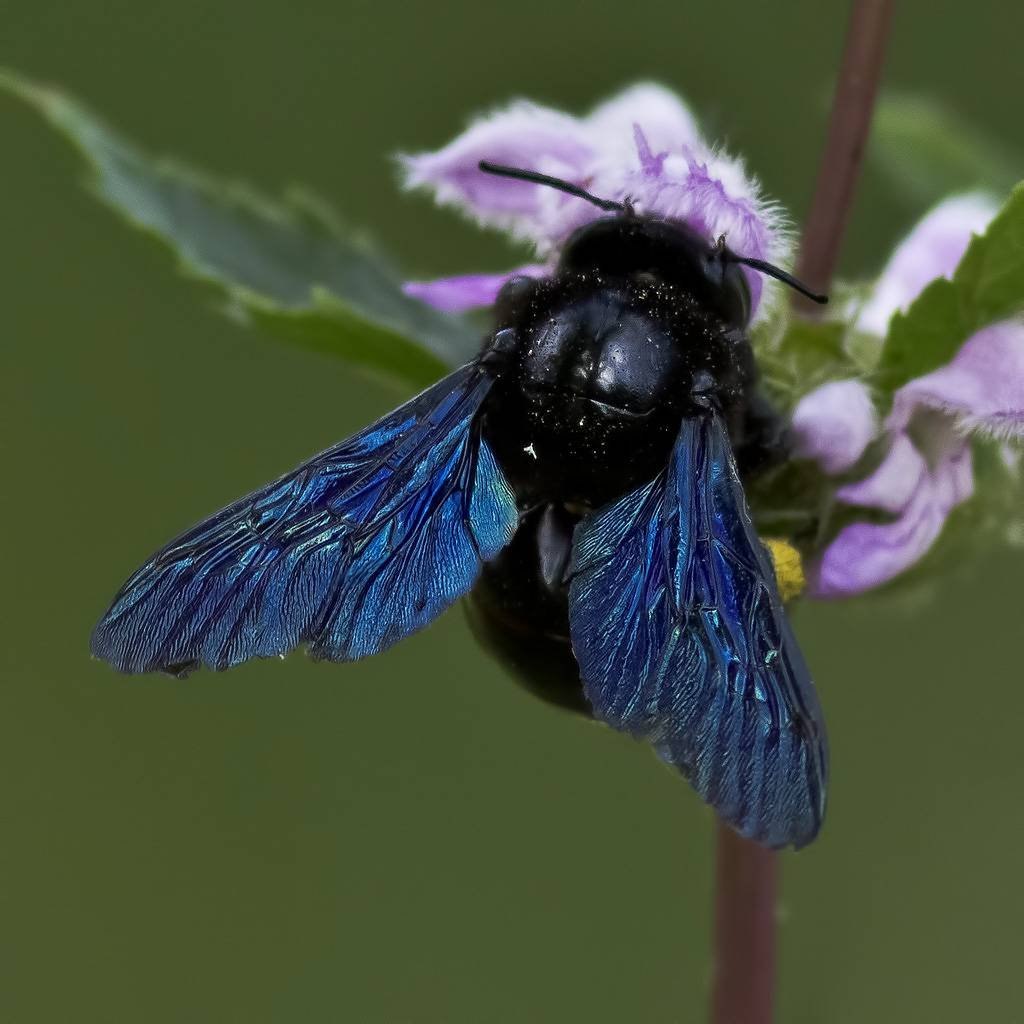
point(520, 174)
point(779, 274)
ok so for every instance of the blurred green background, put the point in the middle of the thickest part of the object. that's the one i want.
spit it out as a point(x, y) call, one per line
point(413, 838)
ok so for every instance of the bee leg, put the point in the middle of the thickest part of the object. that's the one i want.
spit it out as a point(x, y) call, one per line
point(519, 608)
point(764, 439)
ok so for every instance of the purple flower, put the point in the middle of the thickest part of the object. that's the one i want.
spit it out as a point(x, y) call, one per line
point(470, 291)
point(642, 144)
point(926, 470)
point(834, 424)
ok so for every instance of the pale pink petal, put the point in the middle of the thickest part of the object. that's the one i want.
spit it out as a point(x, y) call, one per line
point(893, 484)
point(834, 424)
point(867, 555)
point(927, 471)
point(469, 291)
point(707, 190)
point(982, 389)
point(665, 120)
point(633, 131)
point(642, 144)
point(523, 135)
point(932, 249)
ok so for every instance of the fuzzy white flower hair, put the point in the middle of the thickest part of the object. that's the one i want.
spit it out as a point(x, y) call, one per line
point(642, 144)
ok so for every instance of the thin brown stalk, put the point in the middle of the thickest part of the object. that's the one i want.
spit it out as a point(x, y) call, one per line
point(849, 124)
point(743, 987)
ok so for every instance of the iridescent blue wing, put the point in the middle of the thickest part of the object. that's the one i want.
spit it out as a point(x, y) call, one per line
point(681, 639)
point(352, 551)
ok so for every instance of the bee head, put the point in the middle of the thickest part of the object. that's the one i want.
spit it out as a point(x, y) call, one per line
point(631, 245)
point(639, 248)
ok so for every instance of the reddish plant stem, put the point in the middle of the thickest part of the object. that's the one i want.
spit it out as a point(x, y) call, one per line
point(743, 986)
point(849, 124)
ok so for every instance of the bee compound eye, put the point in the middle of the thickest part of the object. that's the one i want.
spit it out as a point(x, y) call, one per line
point(502, 344)
point(514, 297)
point(505, 340)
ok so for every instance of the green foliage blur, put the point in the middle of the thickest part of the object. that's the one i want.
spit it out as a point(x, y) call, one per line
point(413, 838)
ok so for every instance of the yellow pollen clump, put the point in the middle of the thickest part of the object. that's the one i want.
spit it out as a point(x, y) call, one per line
point(789, 567)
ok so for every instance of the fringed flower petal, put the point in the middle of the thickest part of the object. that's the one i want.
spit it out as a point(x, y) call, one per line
point(932, 249)
point(642, 144)
point(666, 121)
point(707, 190)
point(981, 390)
point(927, 470)
point(523, 135)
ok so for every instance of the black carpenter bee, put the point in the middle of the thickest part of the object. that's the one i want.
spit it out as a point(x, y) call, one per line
point(581, 478)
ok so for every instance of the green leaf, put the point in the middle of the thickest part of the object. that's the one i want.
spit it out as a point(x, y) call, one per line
point(287, 266)
point(929, 153)
point(804, 354)
point(987, 286)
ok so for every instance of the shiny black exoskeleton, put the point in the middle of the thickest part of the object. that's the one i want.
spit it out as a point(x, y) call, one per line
point(641, 325)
